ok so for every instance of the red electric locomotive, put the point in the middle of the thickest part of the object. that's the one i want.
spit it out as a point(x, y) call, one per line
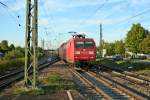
point(78, 50)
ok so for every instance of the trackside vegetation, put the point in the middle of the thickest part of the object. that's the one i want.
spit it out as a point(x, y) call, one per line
point(13, 56)
point(138, 67)
point(49, 85)
point(136, 41)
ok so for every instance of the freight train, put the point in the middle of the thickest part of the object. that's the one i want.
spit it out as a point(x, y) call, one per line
point(78, 51)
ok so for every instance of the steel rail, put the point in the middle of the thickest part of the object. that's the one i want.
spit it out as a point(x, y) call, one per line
point(10, 78)
point(137, 82)
point(17, 71)
point(69, 95)
point(134, 76)
point(84, 80)
point(95, 87)
point(121, 87)
point(10, 74)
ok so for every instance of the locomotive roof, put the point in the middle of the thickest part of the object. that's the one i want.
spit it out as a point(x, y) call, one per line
point(77, 39)
point(81, 39)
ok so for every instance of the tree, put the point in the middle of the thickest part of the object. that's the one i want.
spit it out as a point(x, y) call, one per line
point(20, 49)
point(145, 45)
point(16, 53)
point(1, 49)
point(134, 37)
point(119, 47)
point(4, 46)
point(11, 47)
point(109, 48)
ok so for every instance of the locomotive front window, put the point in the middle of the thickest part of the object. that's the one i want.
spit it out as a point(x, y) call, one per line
point(84, 45)
point(79, 44)
point(88, 44)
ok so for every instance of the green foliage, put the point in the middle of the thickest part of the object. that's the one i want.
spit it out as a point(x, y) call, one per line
point(136, 41)
point(145, 72)
point(134, 37)
point(145, 45)
point(119, 47)
point(23, 91)
point(49, 85)
point(110, 48)
point(40, 53)
point(20, 48)
point(11, 47)
point(56, 83)
point(4, 46)
point(56, 80)
point(14, 54)
point(11, 64)
point(124, 65)
point(12, 59)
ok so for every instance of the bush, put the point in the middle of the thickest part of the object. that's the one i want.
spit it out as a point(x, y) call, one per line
point(11, 64)
point(14, 54)
point(15, 59)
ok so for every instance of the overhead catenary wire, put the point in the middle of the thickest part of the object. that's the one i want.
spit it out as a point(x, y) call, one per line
point(15, 18)
point(94, 12)
point(131, 17)
point(45, 29)
point(50, 28)
point(50, 16)
point(3, 4)
point(134, 16)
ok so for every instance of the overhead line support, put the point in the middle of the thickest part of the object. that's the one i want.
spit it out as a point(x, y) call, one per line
point(31, 44)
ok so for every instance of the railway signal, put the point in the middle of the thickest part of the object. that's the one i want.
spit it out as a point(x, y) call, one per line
point(31, 43)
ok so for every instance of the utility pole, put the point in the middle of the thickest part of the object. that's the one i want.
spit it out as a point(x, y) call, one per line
point(101, 42)
point(43, 43)
point(31, 44)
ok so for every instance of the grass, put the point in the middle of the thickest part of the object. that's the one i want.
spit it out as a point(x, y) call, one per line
point(56, 83)
point(145, 72)
point(24, 91)
point(49, 85)
point(10, 64)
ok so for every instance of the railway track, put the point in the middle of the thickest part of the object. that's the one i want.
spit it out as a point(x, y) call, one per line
point(127, 73)
point(138, 82)
point(102, 88)
point(10, 78)
point(119, 84)
point(69, 95)
point(128, 83)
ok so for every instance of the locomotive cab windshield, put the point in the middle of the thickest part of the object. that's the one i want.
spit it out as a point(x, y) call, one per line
point(84, 44)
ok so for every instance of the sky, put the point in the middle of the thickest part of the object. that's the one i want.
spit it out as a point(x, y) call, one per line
point(58, 17)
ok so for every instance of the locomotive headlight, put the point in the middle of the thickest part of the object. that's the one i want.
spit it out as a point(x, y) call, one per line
point(91, 52)
point(76, 57)
point(77, 52)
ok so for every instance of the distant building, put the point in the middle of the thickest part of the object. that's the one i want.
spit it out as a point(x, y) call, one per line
point(104, 52)
point(138, 55)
